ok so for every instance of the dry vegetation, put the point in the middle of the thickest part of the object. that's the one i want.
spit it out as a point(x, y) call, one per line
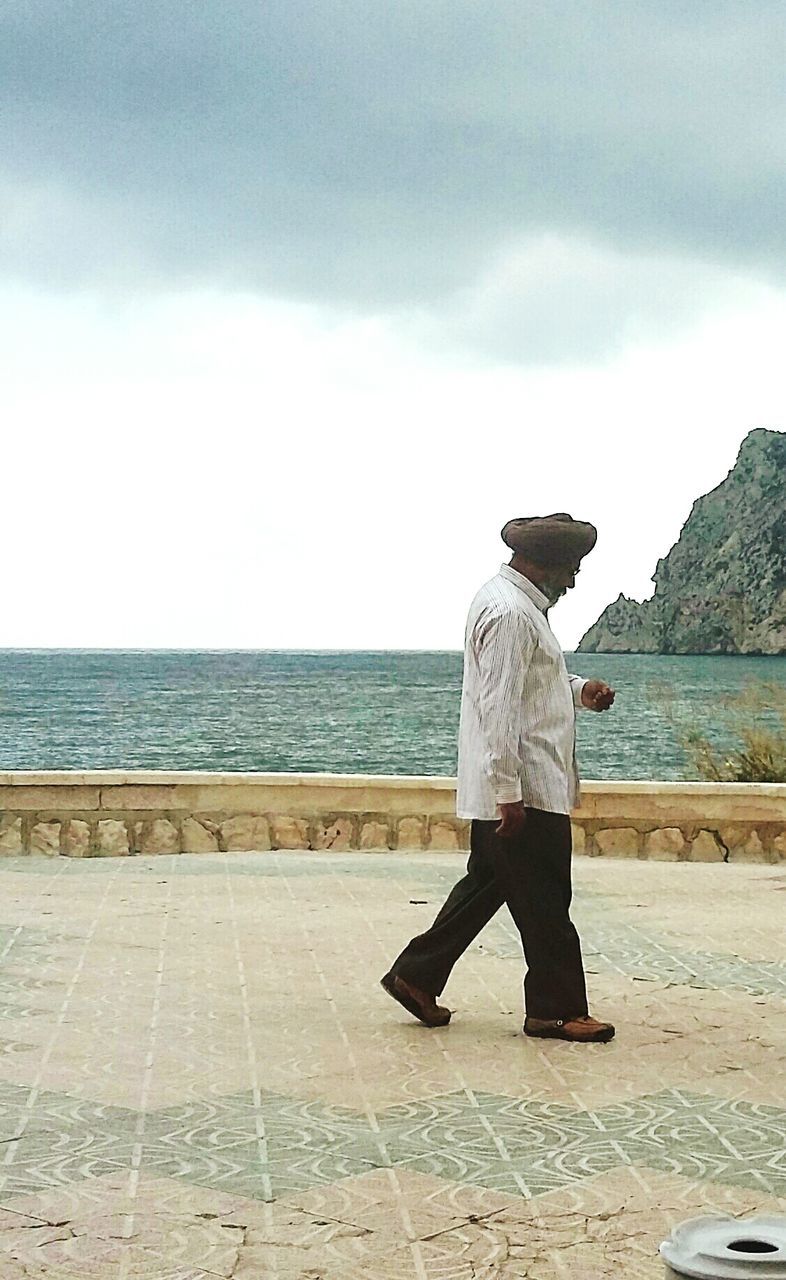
point(757, 720)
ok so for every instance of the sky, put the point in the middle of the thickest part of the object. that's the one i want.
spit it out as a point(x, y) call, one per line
point(301, 300)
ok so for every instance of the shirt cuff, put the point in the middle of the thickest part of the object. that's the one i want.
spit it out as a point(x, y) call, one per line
point(510, 793)
point(577, 684)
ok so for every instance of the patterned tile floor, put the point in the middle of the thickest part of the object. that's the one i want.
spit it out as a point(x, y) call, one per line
point(200, 1077)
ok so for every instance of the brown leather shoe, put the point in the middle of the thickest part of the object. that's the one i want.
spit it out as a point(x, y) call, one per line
point(584, 1030)
point(419, 1003)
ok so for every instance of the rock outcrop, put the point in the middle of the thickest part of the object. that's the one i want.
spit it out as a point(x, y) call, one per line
point(722, 587)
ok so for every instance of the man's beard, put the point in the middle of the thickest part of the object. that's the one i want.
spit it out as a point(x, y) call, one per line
point(554, 594)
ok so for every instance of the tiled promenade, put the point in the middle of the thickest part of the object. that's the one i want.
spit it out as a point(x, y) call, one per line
point(200, 1076)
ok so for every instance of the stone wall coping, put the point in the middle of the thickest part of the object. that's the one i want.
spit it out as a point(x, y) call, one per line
point(639, 788)
point(184, 777)
point(189, 777)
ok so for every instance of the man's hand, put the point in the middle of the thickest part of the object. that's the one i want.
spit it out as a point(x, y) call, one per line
point(514, 817)
point(597, 695)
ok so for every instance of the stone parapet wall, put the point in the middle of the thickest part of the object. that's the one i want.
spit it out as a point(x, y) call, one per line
point(107, 814)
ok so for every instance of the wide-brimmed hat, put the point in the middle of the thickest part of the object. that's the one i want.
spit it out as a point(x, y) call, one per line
point(550, 540)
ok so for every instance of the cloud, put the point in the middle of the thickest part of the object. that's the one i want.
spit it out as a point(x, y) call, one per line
point(553, 300)
point(387, 156)
point(218, 470)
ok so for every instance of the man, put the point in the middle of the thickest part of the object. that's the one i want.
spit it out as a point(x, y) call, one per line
point(517, 781)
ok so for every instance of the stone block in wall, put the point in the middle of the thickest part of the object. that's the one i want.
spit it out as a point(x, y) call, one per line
point(753, 850)
point(159, 836)
point(732, 835)
point(245, 833)
point(112, 838)
point(443, 836)
point(290, 833)
point(10, 834)
point(618, 842)
point(578, 837)
point(666, 844)
point(336, 835)
point(199, 837)
point(753, 847)
point(410, 833)
point(374, 835)
point(76, 839)
point(45, 838)
point(707, 848)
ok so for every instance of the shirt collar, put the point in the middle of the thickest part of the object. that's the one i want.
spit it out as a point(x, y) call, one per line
point(534, 593)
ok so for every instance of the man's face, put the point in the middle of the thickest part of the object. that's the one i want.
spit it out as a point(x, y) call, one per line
point(557, 579)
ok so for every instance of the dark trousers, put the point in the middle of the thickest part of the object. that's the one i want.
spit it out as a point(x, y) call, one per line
point(531, 874)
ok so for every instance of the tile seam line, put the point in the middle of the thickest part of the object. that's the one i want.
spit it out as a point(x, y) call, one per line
point(417, 1257)
point(463, 1086)
point(35, 1089)
point(137, 1155)
point(19, 929)
point(259, 1121)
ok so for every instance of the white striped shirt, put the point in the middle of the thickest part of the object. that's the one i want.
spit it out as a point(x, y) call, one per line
point(518, 720)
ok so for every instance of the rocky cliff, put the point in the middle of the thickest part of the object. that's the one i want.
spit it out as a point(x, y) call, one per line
point(722, 587)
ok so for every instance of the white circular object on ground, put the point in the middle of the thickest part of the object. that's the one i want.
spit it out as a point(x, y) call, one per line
point(713, 1248)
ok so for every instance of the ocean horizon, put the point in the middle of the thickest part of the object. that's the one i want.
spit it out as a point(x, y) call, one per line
point(382, 711)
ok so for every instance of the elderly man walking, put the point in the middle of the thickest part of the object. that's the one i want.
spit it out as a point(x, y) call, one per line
point(517, 782)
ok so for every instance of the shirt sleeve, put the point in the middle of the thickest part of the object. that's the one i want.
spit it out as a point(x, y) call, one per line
point(577, 684)
point(504, 647)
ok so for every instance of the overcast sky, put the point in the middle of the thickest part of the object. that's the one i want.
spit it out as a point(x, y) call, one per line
point(301, 300)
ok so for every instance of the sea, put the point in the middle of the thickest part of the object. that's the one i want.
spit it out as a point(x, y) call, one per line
point(388, 712)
